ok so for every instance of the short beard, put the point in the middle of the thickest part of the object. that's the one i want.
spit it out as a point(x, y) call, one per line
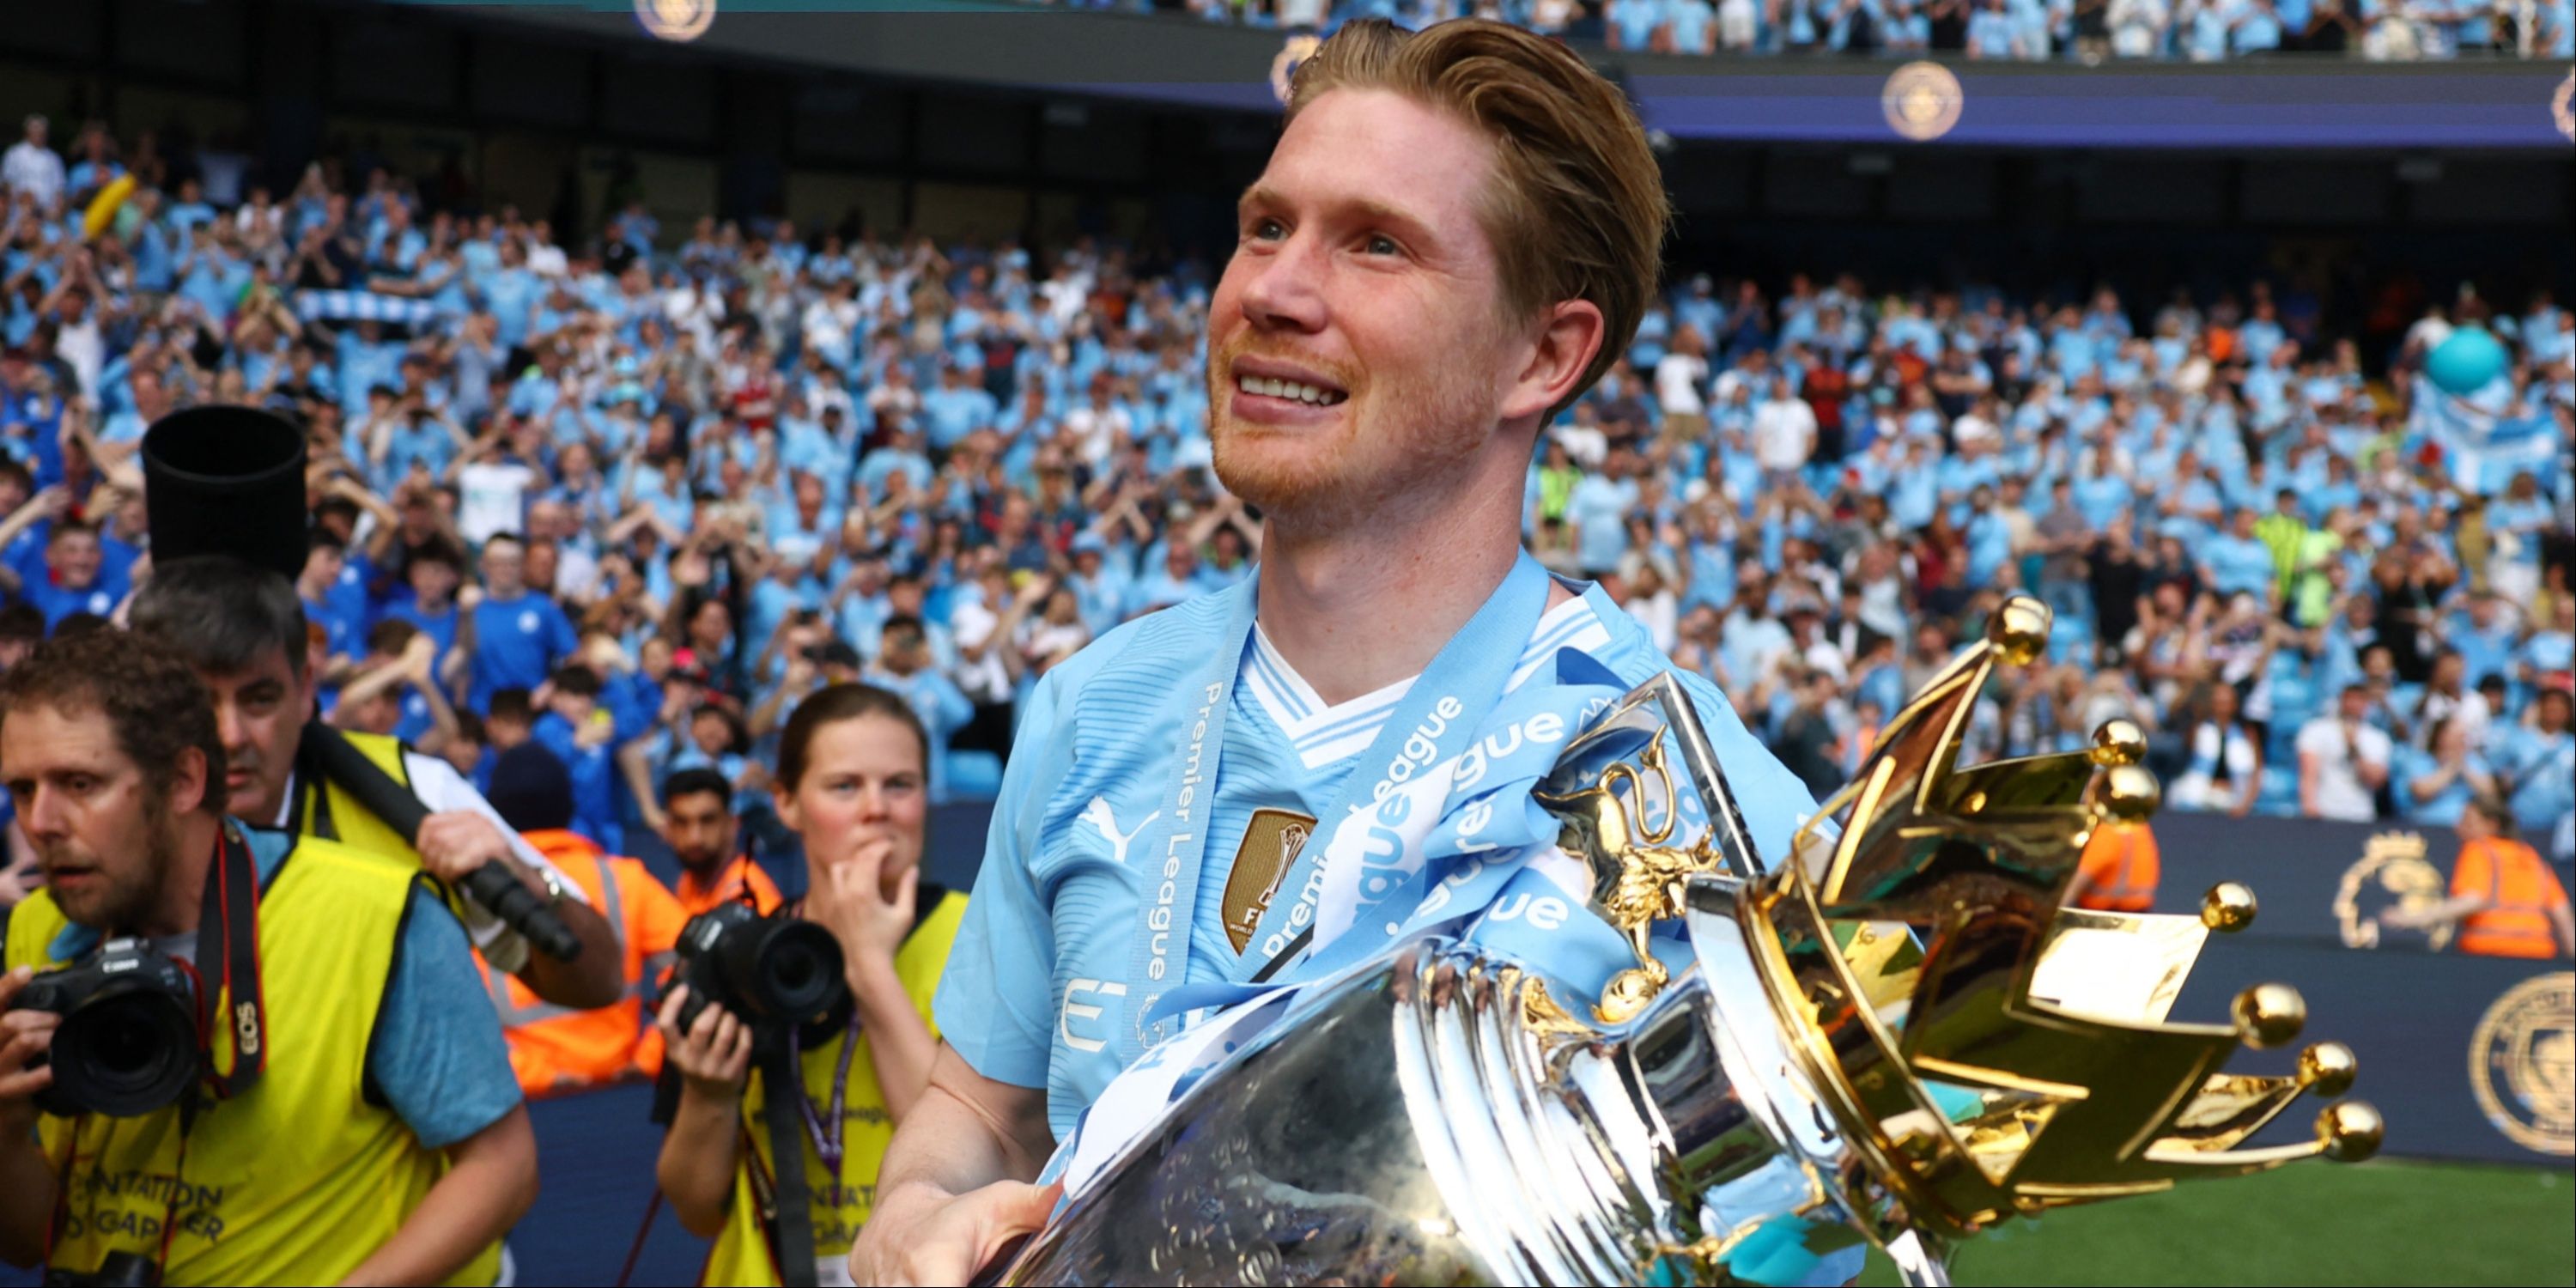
point(1401, 444)
point(123, 905)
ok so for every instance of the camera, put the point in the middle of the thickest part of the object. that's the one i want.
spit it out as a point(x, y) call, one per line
point(127, 1044)
point(772, 971)
point(120, 1270)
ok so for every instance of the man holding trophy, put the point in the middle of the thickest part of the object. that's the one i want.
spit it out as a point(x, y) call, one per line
point(1456, 236)
point(1464, 935)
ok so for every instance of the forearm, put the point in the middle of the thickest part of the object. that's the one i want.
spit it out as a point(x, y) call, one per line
point(365, 687)
point(696, 1168)
point(593, 979)
point(29, 1209)
point(966, 1132)
point(490, 1185)
point(765, 717)
point(2449, 910)
point(899, 1041)
point(442, 714)
point(634, 762)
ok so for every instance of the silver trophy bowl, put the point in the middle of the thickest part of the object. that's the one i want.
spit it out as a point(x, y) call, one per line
point(1428, 1122)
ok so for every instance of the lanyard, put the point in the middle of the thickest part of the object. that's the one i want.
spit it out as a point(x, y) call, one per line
point(1437, 718)
point(827, 1139)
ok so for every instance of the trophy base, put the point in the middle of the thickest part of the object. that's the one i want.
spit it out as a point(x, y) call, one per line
point(1442, 1120)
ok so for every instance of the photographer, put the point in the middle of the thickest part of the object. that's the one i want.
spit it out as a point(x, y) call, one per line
point(364, 1128)
point(242, 630)
point(853, 776)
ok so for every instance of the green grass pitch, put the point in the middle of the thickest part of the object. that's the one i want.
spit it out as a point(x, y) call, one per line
point(2384, 1222)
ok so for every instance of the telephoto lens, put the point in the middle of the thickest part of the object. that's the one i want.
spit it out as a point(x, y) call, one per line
point(772, 971)
point(127, 1044)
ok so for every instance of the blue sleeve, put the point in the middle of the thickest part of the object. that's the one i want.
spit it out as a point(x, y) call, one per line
point(438, 1058)
point(997, 991)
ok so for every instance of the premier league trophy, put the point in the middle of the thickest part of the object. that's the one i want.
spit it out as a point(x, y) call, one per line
point(1900, 1038)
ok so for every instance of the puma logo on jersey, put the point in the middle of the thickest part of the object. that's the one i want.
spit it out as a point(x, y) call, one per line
point(1098, 814)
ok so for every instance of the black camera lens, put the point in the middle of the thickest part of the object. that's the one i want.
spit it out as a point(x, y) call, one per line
point(797, 972)
point(127, 1053)
point(770, 971)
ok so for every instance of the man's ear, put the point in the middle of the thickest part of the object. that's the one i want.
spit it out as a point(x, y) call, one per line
point(188, 781)
point(1567, 336)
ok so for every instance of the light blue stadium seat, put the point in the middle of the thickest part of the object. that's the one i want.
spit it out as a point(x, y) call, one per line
point(2279, 796)
point(974, 776)
point(2071, 640)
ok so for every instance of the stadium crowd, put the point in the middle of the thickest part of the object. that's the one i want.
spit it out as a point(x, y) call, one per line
point(2091, 31)
point(629, 497)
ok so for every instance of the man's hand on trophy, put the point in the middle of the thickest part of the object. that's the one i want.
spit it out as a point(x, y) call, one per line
point(921, 1234)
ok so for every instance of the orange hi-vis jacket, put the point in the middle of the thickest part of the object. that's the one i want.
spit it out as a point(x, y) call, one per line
point(556, 1048)
point(737, 879)
point(2120, 868)
point(2519, 889)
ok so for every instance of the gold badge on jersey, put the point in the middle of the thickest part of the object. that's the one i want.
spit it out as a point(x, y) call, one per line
point(1270, 845)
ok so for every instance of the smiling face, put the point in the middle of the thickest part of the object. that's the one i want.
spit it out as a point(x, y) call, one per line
point(1358, 349)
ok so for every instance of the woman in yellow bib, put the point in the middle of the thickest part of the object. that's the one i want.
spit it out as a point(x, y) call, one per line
point(853, 781)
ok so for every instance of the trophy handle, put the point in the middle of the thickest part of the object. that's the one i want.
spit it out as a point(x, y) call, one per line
point(1734, 842)
point(1594, 761)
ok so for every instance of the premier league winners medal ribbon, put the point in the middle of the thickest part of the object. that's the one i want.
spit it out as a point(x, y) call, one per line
point(1901, 1038)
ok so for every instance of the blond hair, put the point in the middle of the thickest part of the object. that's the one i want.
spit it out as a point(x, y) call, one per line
point(1579, 210)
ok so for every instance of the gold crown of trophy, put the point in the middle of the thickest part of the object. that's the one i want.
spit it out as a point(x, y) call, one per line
point(1901, 1038)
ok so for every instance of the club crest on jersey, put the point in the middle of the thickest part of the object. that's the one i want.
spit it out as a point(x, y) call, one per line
point(1271, 843)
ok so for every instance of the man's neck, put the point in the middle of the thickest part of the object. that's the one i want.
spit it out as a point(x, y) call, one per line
point(183, 887)
point(1355, 607)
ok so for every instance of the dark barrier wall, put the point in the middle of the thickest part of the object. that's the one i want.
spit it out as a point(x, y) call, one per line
point(2467, 1057)
point(2319, 883)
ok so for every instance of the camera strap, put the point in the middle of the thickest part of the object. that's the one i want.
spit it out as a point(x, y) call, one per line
point(228, 966)
point(792, 1200)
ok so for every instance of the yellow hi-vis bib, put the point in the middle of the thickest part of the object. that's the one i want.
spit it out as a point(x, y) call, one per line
point(325, 811)
point(302, 1177)
point(742, 1253)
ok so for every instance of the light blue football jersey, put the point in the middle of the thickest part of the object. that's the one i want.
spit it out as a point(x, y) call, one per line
point(1037, 988)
